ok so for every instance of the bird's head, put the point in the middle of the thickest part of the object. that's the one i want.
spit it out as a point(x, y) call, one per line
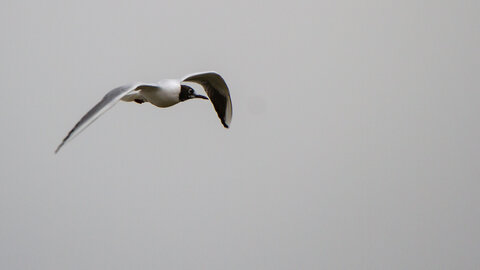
point(187, 92)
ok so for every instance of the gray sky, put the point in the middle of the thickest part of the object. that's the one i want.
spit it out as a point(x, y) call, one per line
point(354, 140)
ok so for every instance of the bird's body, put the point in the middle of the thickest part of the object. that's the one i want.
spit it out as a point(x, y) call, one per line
point(167, 94)
point(163, 94)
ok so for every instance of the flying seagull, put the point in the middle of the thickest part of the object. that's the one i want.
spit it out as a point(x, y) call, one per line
point(162, 94)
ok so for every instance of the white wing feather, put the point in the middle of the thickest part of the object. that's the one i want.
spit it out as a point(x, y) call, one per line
point(107, 102)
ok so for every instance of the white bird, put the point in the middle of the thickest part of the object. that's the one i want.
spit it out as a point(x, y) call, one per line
point(162, 94)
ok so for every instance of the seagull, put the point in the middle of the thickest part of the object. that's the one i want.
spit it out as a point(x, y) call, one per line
point(163, 94)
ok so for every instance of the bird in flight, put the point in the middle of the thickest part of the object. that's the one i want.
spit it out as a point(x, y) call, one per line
point(162, 94)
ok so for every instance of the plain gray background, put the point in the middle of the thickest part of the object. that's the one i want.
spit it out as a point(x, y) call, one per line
point(354, 142)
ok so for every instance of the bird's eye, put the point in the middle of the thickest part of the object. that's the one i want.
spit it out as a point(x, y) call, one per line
point(190, 91)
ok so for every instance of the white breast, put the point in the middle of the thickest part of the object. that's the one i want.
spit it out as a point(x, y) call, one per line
point(166, 95)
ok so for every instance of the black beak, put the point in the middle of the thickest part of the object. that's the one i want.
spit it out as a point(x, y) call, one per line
point(200, 96)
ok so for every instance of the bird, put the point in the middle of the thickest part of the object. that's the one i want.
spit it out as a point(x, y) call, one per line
point(164, 93)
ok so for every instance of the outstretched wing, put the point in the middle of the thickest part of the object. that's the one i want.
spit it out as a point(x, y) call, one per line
point(217, 91)
point(107, 102)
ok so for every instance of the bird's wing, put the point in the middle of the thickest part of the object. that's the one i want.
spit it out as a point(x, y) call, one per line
point(217, 91)
point(107, 102)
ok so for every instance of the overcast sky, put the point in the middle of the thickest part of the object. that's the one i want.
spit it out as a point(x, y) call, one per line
point(354, 142)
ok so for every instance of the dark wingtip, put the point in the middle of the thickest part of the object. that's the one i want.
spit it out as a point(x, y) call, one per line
point(61, 144)
point(224, 124)
point(58, 148)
